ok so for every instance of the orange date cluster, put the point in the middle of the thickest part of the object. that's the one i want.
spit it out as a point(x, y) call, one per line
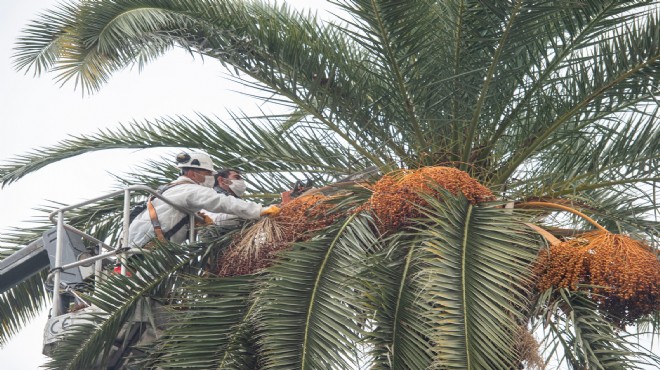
point(396, 198)
point(257, 247)
point(621, 275)
point(303, 216)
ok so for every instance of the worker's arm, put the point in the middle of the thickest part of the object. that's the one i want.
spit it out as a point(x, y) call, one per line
point(208, 199)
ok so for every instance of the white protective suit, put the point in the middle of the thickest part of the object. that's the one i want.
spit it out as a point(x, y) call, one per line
point(224, 220)
point(193, 197)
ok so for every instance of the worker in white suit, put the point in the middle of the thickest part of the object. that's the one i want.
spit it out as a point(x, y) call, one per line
point(194, 191)
point(229, 182)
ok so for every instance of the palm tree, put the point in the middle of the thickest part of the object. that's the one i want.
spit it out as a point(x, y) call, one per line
point(536, 100)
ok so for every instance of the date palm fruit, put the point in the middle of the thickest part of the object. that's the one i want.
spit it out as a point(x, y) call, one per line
point(303, 216)
point(256, 247)
point(396, 198)
point(250, 249)
point(622, 275)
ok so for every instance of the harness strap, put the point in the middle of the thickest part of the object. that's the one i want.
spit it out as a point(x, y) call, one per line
point(158, 230)
point(183, 222)
point(153, 216)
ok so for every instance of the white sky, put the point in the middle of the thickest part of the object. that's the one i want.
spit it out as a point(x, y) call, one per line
point(36, 112)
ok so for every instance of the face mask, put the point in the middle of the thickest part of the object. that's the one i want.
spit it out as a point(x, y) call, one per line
point(238, 187)
point(208, 182)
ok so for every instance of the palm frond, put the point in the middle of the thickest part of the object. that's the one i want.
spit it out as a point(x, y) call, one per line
point(250, 146)
point(211, 328)
point(117, 298)
point(111, 35)
point(46, 39)
point(398, 331)
point(581, 338)
point(20, 304)
point(481, 258)
point(605, 80)
point(308, 315)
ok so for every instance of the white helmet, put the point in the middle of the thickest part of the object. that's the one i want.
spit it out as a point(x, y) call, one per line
point(199, 160)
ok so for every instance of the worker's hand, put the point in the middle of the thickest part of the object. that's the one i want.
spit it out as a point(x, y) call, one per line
point(271, 211)
point(207, 220)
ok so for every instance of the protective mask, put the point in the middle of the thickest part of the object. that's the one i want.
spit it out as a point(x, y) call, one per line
point(209, 181)
point(238, 187)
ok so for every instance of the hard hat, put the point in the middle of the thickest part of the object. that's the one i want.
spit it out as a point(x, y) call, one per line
point(195, 160)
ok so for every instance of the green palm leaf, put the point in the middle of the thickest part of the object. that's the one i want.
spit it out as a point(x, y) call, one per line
point(118, 297)
point(212, 328)
point(582, 338)
point(307, 316)
point(24, 301)
point(20, 304)
point(269, 151)
point(401, 319)
point(478, 282)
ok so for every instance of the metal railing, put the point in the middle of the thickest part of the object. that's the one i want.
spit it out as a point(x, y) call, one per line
point(57, 217)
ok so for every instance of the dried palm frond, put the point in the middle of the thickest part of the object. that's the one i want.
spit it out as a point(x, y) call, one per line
point(252, 249)
point(528, 348)
point(256, 247)
point(396, 198)
point(621, 274)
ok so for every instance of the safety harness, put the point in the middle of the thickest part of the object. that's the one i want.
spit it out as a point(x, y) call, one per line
point(158, 230)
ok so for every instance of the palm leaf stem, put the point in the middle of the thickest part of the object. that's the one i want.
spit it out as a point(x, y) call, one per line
point(519, 157)
point(542, 78)
point(315, 288)
point(471, 131)
point(602, 116)
point(403, 90)
point(458, 32)
point(401, 289)
point(311, 109)
point(571, 357)
point(601, 185)
point(464, 271)
point(301, 103)
point(563, 208)
point(333, 127)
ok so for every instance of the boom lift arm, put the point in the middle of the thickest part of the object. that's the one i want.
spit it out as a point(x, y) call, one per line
point(73, 256)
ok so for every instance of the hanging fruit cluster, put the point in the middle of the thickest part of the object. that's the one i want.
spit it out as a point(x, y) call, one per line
point(396, 198)
point(256, 247)
point(622, 275)
point(251, 249)
point(303, 216)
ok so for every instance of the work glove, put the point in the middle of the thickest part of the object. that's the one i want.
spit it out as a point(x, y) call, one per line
point(270, 211)
point(207, 220)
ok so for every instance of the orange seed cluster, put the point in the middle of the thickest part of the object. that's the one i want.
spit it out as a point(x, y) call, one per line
point(250, 249)
point(396, 194)
point(304, 215)
point(621, 274)
point(256, 248)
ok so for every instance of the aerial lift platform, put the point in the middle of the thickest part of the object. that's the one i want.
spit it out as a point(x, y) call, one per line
point(76, 258)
